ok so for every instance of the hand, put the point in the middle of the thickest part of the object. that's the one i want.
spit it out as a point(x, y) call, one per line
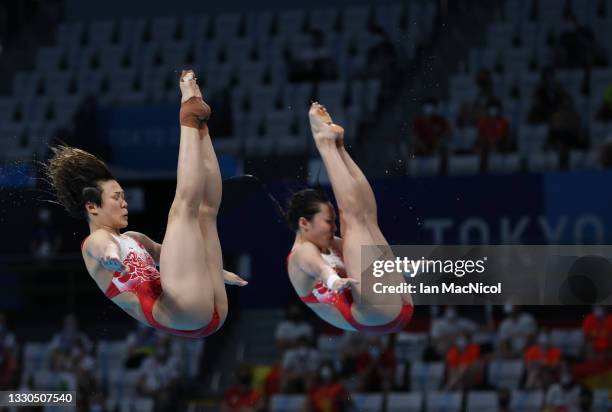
point(344, 283)
point(113, 263)
point(231, 278)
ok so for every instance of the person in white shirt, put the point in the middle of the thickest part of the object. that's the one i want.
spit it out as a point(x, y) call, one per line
point(515, 332)
point(299, 366)
point(292, 328)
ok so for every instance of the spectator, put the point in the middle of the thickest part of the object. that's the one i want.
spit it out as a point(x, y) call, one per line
point(67, 345)
point(382, 61)
point(431, 130)
point(605, 111)
point(375, 366)
point(140, 345)
point(565, 127)
point(548, 97)
point(493, 130)
point(292, 328)
point(299, 366)
point(328, 393)
point(563, 395)
point(241, 397)
point(159, 374)
point(8, 369)
point(470, 112)
point(597, 328)
point(542, 362)
point(445, 330)
point(515, 331)
point(464, 368)
point(578, 47)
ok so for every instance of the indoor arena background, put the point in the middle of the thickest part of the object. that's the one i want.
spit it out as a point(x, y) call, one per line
point(475, 121)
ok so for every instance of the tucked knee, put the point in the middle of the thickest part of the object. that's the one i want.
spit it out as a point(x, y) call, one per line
point(208, 212)
point(182, 208)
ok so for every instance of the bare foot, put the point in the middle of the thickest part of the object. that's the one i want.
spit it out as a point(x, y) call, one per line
point(194, 111)
point(322, 126)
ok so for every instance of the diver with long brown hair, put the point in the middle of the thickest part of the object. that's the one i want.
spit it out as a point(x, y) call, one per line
point(186, 296)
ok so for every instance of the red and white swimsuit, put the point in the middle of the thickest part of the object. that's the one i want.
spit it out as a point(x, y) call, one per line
point(143, 279)
point(343, 300)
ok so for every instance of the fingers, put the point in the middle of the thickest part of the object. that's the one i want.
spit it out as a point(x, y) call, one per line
point(113, 263)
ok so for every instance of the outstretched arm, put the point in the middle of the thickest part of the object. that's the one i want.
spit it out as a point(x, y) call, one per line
point(310, 261)
point(104, 248)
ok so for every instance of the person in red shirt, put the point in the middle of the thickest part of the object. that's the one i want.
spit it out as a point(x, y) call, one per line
point(241, 397)
point(597, 328)
point(543, 363)
point(493, 129)
point(328, 394)
point(431, 130)
point(463, 364)
point(375, 365)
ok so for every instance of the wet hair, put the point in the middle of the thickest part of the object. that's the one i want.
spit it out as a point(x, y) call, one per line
point(75, 176)
point(305, 203)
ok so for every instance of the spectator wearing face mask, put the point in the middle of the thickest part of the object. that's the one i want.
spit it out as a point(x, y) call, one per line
point(445, 330)
point(159, 375)
point(542, 361)
point(241, 397)
point(299, 365)
point(597, 328)
point(493, 130)
point(515, 331)
point(431, 130)
point(375, 366)
point(564, 395)
point(328, 393)
point(292, 328)
point(463, 364)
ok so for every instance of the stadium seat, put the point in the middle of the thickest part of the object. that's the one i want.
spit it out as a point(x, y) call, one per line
point(526, 401)
point(468, 164)
point(410, 346)
point(424, 166)
point(287, 403)
point(482, 401)
point(367, 402)
point(505, 373)
point(447, 401)
point(504, 163)
point(426, 376)
point(542, 162)
point(405, 402)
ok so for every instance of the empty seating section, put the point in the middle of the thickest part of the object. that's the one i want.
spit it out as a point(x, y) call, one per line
point(137, 61)
point(518, 46)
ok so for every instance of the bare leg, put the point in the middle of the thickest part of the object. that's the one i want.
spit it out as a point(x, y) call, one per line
point(368, 203)
point(187, 275)
point(354, 218)
point(208, 211)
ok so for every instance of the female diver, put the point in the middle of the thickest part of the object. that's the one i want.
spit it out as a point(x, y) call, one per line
point(186, 297)
point(326, 270)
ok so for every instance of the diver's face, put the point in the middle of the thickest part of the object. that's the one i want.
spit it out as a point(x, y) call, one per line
point(114, 210)
point(322, 228)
